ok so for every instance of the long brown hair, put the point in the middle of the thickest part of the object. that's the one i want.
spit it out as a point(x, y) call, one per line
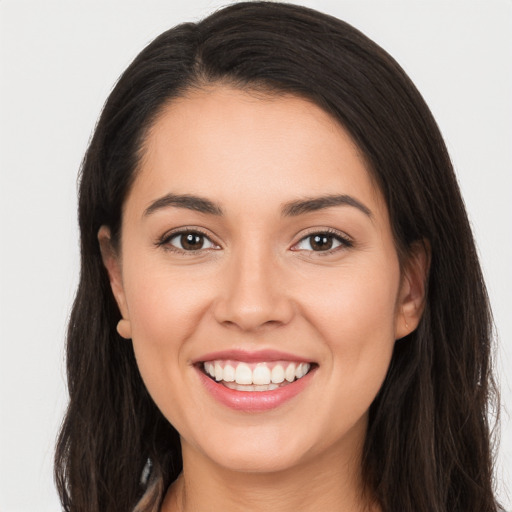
point(428, 442)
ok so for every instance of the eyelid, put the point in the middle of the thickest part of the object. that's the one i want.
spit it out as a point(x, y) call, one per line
point(346, 241)
point(164, 240)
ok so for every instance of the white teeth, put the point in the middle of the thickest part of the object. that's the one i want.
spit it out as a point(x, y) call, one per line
point(229, 373)
point(289, 374)
point(219, 372)
point(261, 375)
point(210, 369)
point(245, 387)
point(302, 369)
point(277, 374)
point(243, 374)
point(260, 378)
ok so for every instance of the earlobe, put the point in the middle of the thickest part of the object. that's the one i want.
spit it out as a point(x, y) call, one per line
point(112, 263)
point(124, 328)
point(412, 295)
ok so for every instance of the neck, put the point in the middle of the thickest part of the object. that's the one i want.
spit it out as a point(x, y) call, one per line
point(330, 482)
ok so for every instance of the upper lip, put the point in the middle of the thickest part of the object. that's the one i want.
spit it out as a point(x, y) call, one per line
point(257, 356)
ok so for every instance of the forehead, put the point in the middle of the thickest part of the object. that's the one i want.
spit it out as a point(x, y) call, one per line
point(221, 140)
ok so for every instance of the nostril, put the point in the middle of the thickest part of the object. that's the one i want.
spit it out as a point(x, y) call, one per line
point(252, 317)
point(253, 299)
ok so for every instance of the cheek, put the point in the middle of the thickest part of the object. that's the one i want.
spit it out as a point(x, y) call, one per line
point(355, 302)
point(356, 319)
point(356, 323)
point(164, 311)
point(165, 305)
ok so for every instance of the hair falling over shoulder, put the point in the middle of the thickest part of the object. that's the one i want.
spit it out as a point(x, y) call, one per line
point(428, 445)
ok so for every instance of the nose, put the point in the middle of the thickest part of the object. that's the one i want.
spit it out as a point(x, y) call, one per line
point(253, 295)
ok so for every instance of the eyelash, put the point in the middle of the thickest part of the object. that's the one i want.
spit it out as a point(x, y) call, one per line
point(344, 241)
point(164, 241)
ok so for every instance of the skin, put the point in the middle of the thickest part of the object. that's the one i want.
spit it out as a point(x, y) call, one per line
point(259, 285)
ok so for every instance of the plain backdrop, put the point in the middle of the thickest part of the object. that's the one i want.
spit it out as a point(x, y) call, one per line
point(58, 62)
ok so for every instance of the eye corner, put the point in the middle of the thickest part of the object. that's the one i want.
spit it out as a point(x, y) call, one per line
point(183, 246)
point(333, 241)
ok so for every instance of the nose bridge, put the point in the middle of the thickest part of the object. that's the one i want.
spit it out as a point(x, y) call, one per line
point(253, 295)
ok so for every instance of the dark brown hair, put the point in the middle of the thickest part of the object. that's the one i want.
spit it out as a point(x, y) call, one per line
point(428, 442)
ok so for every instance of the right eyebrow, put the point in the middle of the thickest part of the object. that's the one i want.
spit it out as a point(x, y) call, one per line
point(190, 202)
point(313, 204)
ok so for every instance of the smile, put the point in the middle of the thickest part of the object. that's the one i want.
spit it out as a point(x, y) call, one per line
point(252, 382)
point(262, 376)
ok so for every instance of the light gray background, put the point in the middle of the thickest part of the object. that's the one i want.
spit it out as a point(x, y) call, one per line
point(58, 62)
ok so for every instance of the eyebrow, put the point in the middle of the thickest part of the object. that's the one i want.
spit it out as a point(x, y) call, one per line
point(290, 209)
point(190, 202)
point(314, 204)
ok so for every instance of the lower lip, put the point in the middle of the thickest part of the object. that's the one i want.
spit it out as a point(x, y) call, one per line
point(254, 401)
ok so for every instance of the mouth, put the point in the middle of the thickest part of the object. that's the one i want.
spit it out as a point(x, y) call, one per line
point(253, 382)
point(255, 376)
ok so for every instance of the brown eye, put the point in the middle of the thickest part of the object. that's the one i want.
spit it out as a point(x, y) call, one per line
point(190, 241)
point(322, 242)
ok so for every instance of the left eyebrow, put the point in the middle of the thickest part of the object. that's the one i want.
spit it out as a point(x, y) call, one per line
point(313, 204)
point(187, 201)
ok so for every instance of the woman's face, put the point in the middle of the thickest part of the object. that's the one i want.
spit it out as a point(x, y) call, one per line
point(255, 247)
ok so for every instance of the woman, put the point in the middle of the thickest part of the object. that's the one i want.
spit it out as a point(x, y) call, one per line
point(280, 302)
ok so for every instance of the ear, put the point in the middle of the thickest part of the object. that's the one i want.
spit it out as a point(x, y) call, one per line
point(112, 263)
point(412, 294)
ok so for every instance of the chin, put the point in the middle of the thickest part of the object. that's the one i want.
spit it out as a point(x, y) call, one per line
point(261, 450)
point(254, 459)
